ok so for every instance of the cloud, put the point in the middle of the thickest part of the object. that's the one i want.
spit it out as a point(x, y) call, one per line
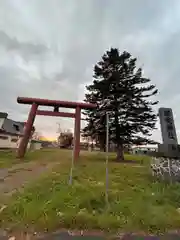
point(24, 49)
point(48, 49)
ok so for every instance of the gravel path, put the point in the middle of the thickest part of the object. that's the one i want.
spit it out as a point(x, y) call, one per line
point(17, 176)
point(67, 236)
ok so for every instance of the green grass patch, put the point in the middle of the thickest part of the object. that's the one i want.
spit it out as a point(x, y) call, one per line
point(8, 157)
point(136, 203)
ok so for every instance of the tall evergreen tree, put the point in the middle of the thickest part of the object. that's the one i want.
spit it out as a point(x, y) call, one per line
point(120, 89)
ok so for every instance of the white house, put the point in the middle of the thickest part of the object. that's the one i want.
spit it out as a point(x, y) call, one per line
point(10, 132)
point(143, 149)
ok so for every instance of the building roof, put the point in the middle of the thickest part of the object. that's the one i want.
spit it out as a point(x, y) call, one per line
point(13, 127)
point(3, 115)
point(36, 141)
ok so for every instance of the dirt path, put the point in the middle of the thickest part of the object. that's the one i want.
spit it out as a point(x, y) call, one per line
point(17, 176)
point(67, 236)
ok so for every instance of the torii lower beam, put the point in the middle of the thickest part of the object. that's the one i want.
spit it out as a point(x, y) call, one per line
point(35, 102)
point(55, 114)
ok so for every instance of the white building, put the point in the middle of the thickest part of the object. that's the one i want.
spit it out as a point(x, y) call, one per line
point(10, 132)
point(143, 149)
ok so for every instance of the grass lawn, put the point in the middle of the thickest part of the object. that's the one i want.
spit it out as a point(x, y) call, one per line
point(8, 157)
point(136, 203)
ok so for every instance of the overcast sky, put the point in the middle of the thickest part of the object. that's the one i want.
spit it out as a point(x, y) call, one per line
point(48, 49)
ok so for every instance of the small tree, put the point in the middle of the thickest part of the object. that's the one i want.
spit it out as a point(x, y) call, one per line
point(65, 139)
point(120, 89)
point(36, 135)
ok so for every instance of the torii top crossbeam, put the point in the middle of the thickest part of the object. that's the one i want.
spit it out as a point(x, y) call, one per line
point(54, 103)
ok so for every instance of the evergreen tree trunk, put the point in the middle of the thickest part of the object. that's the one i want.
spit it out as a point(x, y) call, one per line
point(102, 147)
point(102, 142)
point(120, 154)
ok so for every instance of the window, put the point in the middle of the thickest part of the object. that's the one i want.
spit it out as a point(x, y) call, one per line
point(3, 137)
point(16, 127)
point(14, 140)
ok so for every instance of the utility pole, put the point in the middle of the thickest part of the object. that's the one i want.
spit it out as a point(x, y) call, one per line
point(59, 128)
point(59, 132)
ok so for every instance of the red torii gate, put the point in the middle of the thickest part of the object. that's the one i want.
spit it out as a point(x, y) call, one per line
point(35, 102)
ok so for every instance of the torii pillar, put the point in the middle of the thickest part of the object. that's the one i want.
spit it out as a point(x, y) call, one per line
point(35, 102)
